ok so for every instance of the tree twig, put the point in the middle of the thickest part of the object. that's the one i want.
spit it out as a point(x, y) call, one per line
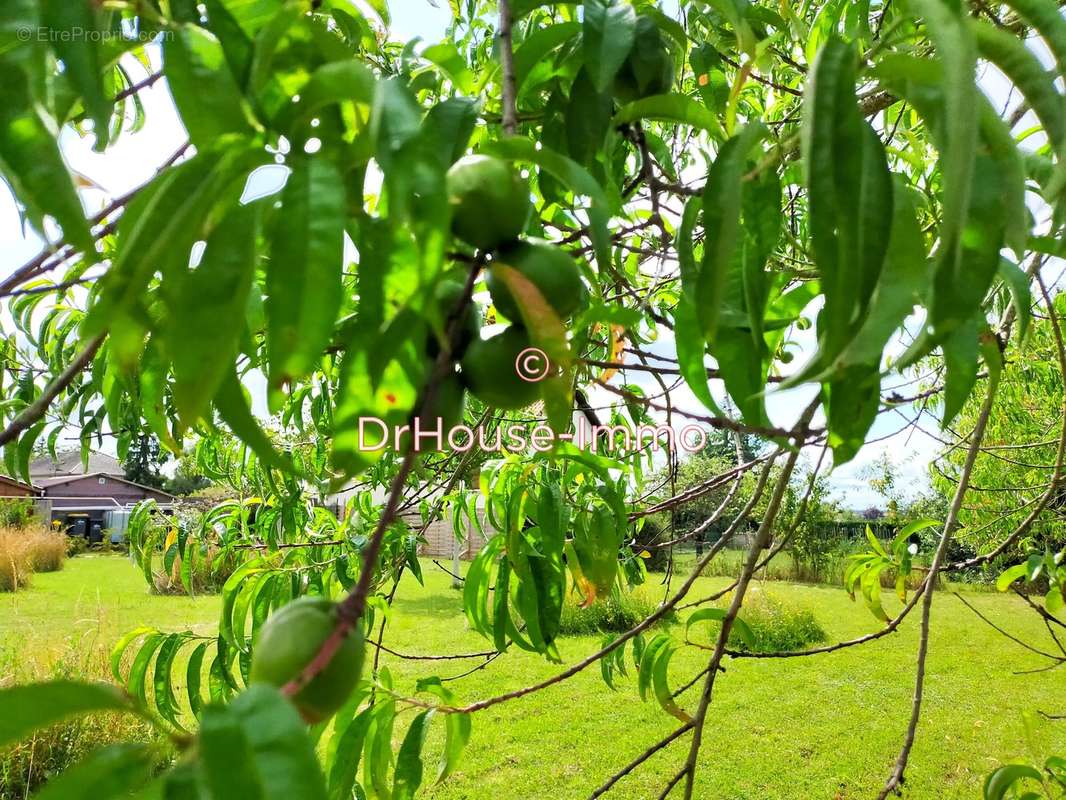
point(895, 778)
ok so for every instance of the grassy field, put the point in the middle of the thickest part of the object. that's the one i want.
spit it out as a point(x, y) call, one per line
point(827, 726)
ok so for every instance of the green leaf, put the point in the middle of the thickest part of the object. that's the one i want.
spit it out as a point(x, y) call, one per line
point(648, 658)
point(226, 756)
point(409, 758)
point(1053, 600)
point(608, 31)
point(672, 108)
point(900, 286)
point(446, 56)
point(536, 47)
point(900, 542)
point(448, 127)
point(852, 400)
point(850, 198)
point(874, 543)
point(335, 83)
point(37, 705)
point(960, 360)
point(206, 317)
point(120, 647)
point(688, 335)
point(204, 89)
point(870, 583)
point(193, 677)
point(165, 700)
point(75, 35)
point(135, 682)
point(1034, 566)
point(264, 745)
point(304, 275)
point(661, 685)
point(999, 782)
point(345, 764)
point(251, 15)
point(956, 50)
point(588, 119)
point(457, 728)
point(231, 590)
point(111, 772)
point(722, 203)
point(702, 615)
point(742, 629)
point(233, 407)
point(30, 160)
point(1018, 285)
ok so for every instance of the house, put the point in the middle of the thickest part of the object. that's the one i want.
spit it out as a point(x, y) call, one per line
point(89, 501)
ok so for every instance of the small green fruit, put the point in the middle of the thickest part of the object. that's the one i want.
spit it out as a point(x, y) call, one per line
point(489, 199)
point(489, 370)
point(551, 269)
point(648, 69)
point(290, 639)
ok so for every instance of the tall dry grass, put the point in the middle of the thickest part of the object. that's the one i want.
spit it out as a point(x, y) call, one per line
point(48, 549)
point(24, 551)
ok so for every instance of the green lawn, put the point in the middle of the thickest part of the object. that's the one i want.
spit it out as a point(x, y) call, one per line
point(821, 727)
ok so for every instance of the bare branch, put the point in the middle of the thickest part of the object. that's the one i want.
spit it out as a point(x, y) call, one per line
point(896, 777)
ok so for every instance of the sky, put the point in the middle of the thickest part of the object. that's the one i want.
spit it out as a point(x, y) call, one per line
point(134, 159)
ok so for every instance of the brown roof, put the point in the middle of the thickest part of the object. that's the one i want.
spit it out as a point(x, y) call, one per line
point(58, 480)
point(19, 484)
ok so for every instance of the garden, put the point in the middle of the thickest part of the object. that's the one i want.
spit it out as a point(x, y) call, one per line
point(981, 713)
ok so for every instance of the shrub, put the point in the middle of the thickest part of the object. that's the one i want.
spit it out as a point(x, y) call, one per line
point(76, 545)
point(776, 625)
point(15, 512)
point(209, 572)
point(615, 614)
point(648, 538)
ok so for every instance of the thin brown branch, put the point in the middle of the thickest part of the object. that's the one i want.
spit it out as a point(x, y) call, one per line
point(636, 762)
point(895, 778)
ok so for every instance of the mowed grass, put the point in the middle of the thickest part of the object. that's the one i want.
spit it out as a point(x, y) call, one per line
point(827, 726)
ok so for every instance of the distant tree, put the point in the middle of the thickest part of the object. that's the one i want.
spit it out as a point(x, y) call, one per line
point(872, 513)
point(188, 477)
point(143, 460)
point(1016, 464)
